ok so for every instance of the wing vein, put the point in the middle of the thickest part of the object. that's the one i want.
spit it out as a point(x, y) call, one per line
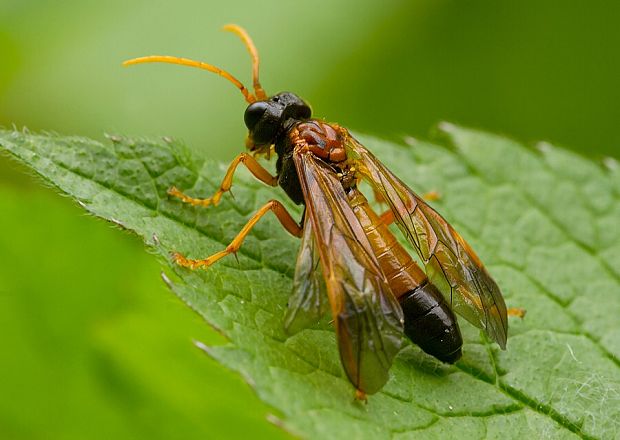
point(449, 261)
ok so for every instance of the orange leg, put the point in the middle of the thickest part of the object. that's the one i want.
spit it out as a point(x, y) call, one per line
point(361, 396)
point(387, 218)
point(378, 196)
point(516, 311)
point(251, 164)
point(273, 205)
point(431, 196)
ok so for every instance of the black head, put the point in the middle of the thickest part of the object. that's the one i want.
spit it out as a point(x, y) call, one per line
point(266, 119)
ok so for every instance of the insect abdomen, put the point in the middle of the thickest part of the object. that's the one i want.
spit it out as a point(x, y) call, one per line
point(429, 321)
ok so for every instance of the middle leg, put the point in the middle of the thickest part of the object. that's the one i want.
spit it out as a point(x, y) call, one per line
point(251, 164)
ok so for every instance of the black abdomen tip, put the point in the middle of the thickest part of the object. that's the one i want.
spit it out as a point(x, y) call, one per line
point(431, 324)
point(450, 358)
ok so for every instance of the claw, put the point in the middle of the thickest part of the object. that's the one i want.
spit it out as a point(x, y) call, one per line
point(432, 196)
point(173, 191)
point(361, 396)
point(517, 311)
point(178, 258)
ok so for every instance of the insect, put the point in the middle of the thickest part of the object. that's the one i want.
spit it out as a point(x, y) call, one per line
point(375, 290)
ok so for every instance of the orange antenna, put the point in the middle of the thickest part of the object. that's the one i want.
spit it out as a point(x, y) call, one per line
point(249, 97)
point(249, 44)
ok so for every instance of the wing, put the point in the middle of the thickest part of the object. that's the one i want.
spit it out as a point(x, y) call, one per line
point(368, 319)
point(450, 262)
point(308, 303)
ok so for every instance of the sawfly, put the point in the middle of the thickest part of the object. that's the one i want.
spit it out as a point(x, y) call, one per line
point(375, 290)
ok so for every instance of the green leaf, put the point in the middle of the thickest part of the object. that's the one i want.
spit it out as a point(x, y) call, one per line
point(545, 222)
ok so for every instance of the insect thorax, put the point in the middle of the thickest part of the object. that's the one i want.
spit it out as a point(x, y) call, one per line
point(322, 139)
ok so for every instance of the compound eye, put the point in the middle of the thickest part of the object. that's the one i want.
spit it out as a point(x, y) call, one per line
point(254, 113)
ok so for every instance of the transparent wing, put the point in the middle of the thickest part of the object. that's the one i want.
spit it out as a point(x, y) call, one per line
point(308, 302)
point(368, 319)
point(449, 261)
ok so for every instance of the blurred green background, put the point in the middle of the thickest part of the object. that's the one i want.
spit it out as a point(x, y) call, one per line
point(93, 345)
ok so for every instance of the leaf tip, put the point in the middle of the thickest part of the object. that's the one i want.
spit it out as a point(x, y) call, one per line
point(113, 138)
point(446, 127)
point(155, 239)
point(611, 164)
point(118, 223)
point(201, 345)
point(167, 281)
point(275, 420)
point(544, 147)
point(410, 141)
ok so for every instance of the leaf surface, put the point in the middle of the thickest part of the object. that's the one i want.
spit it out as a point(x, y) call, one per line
point(546, 224)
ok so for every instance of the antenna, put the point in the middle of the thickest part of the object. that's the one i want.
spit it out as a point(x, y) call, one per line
point(249, 44)
point(259, 92)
